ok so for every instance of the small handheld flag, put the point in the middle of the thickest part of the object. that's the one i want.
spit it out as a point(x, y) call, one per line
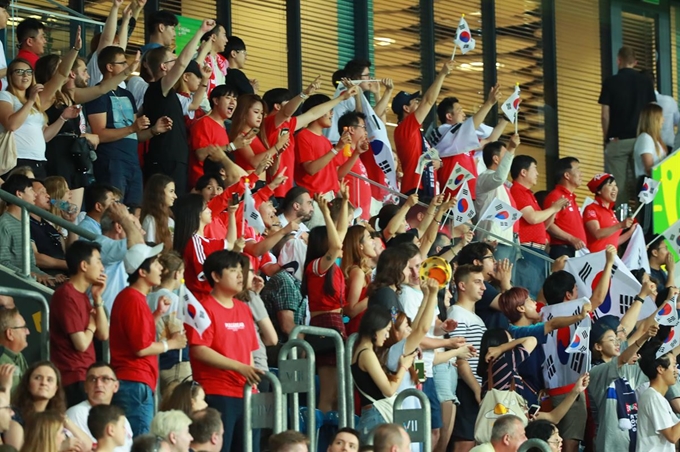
point(458, 176)
point(502, 213)
point(464, 38)
point(251, 214)
point(193, 312)
point(464, 210)
point(650, 188)
point(667, 314)
point(581, 340)
point(511, 106)
point(671, 342)
point(672, 234)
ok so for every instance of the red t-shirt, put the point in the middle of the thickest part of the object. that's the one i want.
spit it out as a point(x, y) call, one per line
point(257, 146)
point(318, 299)
point(535, 233)
point(133, 329)
point(568, 219)
point(359, 190)
point(467, 161)
point(197, 249)
point(311, 146)
point(69, 314)
point(29, 56)
point(231, 334)
point(408, 139)
point(203, 133)
point(604, 214)
point(287, 157)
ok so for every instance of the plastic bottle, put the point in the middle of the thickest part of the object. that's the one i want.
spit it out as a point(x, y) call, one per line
point(64, 206)
point(347, 148)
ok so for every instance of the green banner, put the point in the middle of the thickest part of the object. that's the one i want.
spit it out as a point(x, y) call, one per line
point(185, 30)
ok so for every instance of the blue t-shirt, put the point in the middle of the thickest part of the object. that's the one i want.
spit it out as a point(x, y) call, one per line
point(119, 106)
point(492, 318)
point(530, 369)
point(659, 275)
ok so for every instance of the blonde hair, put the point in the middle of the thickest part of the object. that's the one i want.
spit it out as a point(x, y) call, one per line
point(13, 90)
point(650, 123)
point(41, 432)
point(56, 187)
point(166, 422)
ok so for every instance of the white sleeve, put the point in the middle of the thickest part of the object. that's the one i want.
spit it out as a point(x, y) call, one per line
point(78, 414)
point(458, 140)
point(644, 145)
point(661, 414)
point(149, 226)
point(93, 70)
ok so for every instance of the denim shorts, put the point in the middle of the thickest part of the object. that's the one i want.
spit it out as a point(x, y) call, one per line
point(435, 407)
point(370, 419)
point(446, 382)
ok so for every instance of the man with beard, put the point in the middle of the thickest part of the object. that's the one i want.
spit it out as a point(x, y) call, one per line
point(297, 205)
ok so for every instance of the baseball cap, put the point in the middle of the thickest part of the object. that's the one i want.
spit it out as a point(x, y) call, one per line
point(194, 68)
point(596, 182)
point(135, 256)
point(601, 326)
point(401, 100)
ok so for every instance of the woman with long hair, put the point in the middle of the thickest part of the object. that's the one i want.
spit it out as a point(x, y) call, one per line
point(499, 357)
point(370, 376)
point(192, 216)
point(45, 432)
point(358, 253)
point(247, 121)
point(40, 390)
point(60, 193)
point(324, 283)
point(187, 396)
point(159, 197)
point(599, 219)
point(649, 147)
point(389, 276)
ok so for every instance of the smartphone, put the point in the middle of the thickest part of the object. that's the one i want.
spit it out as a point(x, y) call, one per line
point(534, 409)
point(234, 199)
point(284, 131)
point(420, 369)
point(254, 131)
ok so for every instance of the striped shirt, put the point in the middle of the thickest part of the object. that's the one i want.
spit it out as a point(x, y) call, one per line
point(10, 245)
point(505, 368)
point(472, 328)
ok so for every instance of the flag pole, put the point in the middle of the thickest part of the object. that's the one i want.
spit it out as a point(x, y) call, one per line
point(638, 210)
point(444, 220)
point(243, 220)
point(420, 179)
point(453, 55)
point(655, 239)
point(516, 119)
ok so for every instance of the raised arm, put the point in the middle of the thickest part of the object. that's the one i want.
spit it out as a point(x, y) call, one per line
point(539, 216)
point(63, 71)
point(85, 95)
point(381, 105)
point(602, 288)
point(109, 31)
point(184, 57)
point(432, 92)
point(423, 319)
point(400, 217)
point(315, 113)
point(287, 111)
point(494, 96)
point(124, 27)
point(334, 241)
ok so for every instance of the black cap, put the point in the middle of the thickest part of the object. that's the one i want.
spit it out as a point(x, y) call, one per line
point(194, 68)
point(401, 100)
point(601, 326)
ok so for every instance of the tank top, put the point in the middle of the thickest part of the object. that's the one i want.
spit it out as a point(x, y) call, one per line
point(363, 380)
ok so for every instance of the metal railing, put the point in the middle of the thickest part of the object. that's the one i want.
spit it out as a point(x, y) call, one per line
point(44, 317)
point(349, 350)
point(262, 410)
point(343, 415)
point(27, 208)
point(534, 442)
point(416, 422)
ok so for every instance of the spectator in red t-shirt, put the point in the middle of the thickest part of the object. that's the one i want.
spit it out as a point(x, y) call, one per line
point(408, 138)
point(602, 226)
point(281, 106)
point(32, 40)
point(355, 124)
point(222, 355)
point(531, 270)
point(134, 349)
point(567, 234)
point(74, 321)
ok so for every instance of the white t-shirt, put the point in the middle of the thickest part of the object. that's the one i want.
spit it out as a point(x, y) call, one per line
point(411, 299)
point(149, 226)
point(655, 414)
point(645, 144)
point(472, 328)
point(28, 137)
point(79, 413)
point(137, 86)
point(3, 65)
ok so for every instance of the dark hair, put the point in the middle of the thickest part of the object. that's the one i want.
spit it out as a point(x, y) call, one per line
point(654, 242)
point(490, 151)
point(234, 43)
point(402, 239)
point(187, 210)
point(276, 96)
point(161, 17)
point(313, 101)
point(207, 35)
point(557, 285)
point(153, 205)
point(146, 266)
point(445, 107)
point(491, 338)
point(375, 318)
point(474, 251)
point(100, 416)
point(387, 212)
point(462, 272)
point(292, 196)
point(22, 400)
point(154, 58)
point(219, 261)
point(146, 443)
point(349, 430)
point(350, 119)
point(563, 166)
point(180, 397)
point(354, 68)
point(540, 429)
point(45, 67)
point(390, 268)
point(96, 193)
point(79, 251)
point(222, 91)
point(99, 365)
point(4, 4)
point(27, 28)
point(108, 55)
point(204, 424)
point(205, 179)
point(649, 362)
point(337, 77)
point(627, 55)
point(17, 183)
point(519, 163)
point(280, 442)
point(317, 247)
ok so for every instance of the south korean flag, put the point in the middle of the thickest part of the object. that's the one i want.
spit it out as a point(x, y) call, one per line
point(464, 210)
point(502, 213)
point(581, 339)
point(667, 315)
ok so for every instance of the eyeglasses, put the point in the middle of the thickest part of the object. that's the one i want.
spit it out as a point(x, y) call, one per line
point(169, 61)
point(22, 327)
point(245, 52)
point(22, 72)
point(361, 126)
point(490, 256)
point(8, 407)
point(556, 442)
point(106, 380)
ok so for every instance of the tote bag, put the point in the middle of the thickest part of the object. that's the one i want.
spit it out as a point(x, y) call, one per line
point(8, 152)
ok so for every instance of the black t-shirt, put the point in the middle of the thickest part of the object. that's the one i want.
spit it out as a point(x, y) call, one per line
point(47, 240)
point(172, 145)
point(237, 78)
point(491, 317)
point(626, 93)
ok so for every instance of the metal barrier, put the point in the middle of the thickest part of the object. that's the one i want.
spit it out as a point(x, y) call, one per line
point(343, 415)
point(534, 442)
point(262, 410)
point(297, 376)
point(349, 348)
point(44, 318)
point(491, 234)
point(416, 422)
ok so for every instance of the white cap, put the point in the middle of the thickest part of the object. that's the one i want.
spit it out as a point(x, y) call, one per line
point(135, 256)
point(357, 212)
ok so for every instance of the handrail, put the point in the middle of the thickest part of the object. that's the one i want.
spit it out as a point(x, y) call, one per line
point(497, 237)
point(72, 12)
point(423, 432)
point(534, 442)
point(277, 421)
point(79, 18)
point(44, 319)
point(349, 350)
